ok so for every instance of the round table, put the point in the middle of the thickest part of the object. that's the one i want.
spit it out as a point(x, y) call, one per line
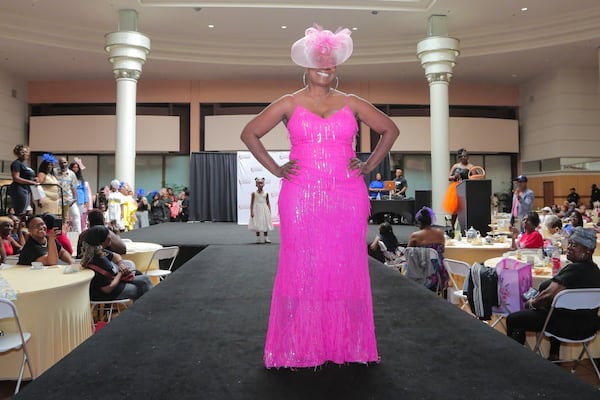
point(539, 273)
point(55, 308)
point(471, 253)
point(141, 254)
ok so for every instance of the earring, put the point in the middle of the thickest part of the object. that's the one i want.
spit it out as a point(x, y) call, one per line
point(304, 79)
point(337, 82)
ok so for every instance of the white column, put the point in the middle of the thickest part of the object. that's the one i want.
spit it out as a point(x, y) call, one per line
point(437, 55)
point(440, 154)
point(126, 130)
point(127, 51)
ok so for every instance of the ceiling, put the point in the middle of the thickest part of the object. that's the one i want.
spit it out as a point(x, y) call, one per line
point(500, 43)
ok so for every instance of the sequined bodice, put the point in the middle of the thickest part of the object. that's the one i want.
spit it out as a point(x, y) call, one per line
point(323, 146)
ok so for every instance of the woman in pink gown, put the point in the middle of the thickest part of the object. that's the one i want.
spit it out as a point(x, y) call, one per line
point(321, 308)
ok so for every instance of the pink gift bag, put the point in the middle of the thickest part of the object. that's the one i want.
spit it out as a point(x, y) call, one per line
point(514, 279)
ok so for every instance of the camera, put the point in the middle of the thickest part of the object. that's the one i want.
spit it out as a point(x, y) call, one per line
point(57, 225)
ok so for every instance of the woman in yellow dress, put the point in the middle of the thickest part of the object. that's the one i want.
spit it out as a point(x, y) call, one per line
point(49, 183)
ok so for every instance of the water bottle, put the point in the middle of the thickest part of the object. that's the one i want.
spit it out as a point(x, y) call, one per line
point(555, 261)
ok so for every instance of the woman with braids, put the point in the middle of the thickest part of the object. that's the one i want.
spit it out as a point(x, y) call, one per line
point(110, 280)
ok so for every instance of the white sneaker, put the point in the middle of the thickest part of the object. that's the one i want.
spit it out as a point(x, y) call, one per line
point(267, 240)
point(262, 240)
point(258, 239)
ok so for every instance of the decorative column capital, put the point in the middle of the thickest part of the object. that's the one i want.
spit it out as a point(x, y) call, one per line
point(127, 51)
point(438, 57)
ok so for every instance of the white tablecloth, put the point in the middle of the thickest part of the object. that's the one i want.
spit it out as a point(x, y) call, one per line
point(52, 306)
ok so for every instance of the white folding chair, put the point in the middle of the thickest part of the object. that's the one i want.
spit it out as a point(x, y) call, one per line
point(458, 268)
point(15, 341)
point(162, 254)
point(572, 299)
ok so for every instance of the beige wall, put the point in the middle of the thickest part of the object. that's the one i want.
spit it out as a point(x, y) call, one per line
point(97, 133)
point(582, 182)
point(560, 115)
point(197, 92)
point(13, 114)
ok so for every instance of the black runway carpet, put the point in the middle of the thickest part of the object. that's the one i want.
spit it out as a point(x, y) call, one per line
point(200, 335)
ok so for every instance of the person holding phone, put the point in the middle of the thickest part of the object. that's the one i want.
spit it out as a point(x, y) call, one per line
point(42, 246)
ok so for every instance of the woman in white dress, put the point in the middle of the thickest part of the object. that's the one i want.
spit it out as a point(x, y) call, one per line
point(260, 212)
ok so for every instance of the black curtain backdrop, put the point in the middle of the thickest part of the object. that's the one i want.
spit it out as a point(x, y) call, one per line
point(213, 187)
point(383, 168)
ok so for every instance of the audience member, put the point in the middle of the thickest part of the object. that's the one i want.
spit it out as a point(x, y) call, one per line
point(546, 212)
point(159, 212)
point(115, 206)
point(522, 201)
point(184, 207)
point(42, 245)
point(575, 220)
point(433, 238)
point(129, 207)
point(46, 178)
point(51, 221)
point(385, 235)
point(22, 177)
point(573, 197)
point(594, 195)
point(376, 186)
point(84, 192)
point(112, 279)
point(142, 214)
point(68, 181)
point(96, 218)
point(581, 273)
point(9, 245)
point(530, 238)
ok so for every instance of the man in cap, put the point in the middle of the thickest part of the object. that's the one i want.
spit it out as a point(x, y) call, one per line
point(522, 201)
point(580, 273)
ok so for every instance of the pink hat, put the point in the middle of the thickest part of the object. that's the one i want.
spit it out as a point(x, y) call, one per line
point(321, 48)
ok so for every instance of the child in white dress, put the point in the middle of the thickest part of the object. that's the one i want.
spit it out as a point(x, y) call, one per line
point(260, 212)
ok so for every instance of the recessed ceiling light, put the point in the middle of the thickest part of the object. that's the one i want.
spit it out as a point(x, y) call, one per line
point(283, 26)
point(524, 9)
point(211, 26)
point(514, 75)
point(354, 28)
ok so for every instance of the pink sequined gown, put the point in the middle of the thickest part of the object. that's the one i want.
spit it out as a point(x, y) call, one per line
point(321, 308)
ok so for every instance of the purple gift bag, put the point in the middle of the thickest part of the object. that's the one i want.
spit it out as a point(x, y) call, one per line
point(514, 279)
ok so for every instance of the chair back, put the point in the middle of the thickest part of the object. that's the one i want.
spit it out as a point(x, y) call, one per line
point(577, 299)
point(7, 309)
point(456, 268)
point(164, 254)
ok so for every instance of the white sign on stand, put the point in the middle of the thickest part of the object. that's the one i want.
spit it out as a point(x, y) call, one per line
point(248, 169)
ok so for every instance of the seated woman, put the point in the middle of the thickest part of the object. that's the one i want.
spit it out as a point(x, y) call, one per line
point(376, 186)
point(575, 220)
point(109, 282)
point(386, 235)
point(9, 245)
point(530, 238)
point(556, 234)
point(95, 217)
point(42, 245)
point(51, 221)
point(581, 273)
point(430, 237)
